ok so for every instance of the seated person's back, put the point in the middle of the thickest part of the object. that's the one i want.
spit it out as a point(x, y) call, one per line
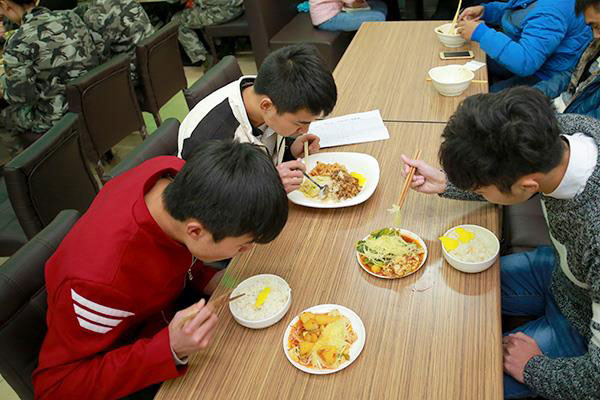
point(536, 39)
point(117, 26)
point(577, 92)
point(49, 49)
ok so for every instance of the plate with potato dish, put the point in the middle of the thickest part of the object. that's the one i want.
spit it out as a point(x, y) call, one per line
point(324, 339)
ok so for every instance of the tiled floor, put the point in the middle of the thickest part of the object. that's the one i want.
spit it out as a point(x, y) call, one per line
point(175, 108)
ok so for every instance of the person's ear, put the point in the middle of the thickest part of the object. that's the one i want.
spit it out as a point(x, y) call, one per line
point(266, 105)
point(194, 229)
point(529, 184)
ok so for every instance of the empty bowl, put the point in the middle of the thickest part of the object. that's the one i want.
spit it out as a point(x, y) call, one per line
point(478, 254)
point(449, 39)
point(451, 80)
point(276, 303)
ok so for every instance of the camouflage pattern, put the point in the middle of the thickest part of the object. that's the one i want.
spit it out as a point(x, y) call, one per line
point(204, 13)
point(116, 26)
point(49, 49)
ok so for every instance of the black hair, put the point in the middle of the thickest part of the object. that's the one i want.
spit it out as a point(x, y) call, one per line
point(23, 2)
point(497, 138)
point(295, 78)
point(231, 188)
point(582, 5)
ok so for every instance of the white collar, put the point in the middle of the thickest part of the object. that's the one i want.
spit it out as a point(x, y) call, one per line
point(583, 158)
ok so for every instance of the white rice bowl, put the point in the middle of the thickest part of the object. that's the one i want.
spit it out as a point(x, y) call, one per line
point(476, 255)
point(272, 310)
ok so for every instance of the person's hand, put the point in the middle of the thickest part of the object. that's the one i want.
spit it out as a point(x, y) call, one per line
point(471, 13)
point(291, 174)
point(518, 350)
point(214, 282)
point(297, 148)
point(466, 28)
point(196, 333)
point(426, 179)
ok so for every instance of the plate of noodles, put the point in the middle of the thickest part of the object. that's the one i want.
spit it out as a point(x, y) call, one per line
point(324, 339)
point(351, 177)
point(391, 253)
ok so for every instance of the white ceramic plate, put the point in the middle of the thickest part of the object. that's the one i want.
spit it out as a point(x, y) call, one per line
point(361, 163)
point(407, 233)
point(355, 349)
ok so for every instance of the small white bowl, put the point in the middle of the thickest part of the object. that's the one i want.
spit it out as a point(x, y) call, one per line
point(448, 39)
point(451, 80)
point(473, 267)
point(261, 323)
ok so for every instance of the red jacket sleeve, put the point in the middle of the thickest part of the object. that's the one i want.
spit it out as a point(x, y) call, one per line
point(91, 350)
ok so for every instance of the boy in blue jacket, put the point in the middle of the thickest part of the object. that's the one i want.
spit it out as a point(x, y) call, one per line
point(536, 39)
point(578, 93)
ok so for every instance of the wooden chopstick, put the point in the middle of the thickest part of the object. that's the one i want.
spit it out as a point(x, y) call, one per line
point(306, 152)
point(407, 182)
point(453, 26)
point(215, 304)
point(428, 79)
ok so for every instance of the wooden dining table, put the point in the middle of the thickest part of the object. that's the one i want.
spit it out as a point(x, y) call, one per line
point(386, 66)
point(434, 334)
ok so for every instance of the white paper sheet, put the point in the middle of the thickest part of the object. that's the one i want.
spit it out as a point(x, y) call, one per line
point(349, 129)
point(474, 65)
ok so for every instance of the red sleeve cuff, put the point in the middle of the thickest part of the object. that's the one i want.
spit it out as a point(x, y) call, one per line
point(202, 274)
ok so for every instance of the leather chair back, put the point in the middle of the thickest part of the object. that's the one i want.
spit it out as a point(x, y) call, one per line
point(51, 175)
point(265, 19)
point(160, 68)
point(107, 104)
point(225, 71)
point(163, 142)
point(24, 306)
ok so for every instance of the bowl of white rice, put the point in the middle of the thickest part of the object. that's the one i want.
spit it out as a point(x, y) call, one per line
point(269, 311)
point(475, 255)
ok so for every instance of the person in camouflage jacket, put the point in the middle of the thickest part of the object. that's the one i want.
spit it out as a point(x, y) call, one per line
point(48, 49)
point(201, 13)
point(117, 26)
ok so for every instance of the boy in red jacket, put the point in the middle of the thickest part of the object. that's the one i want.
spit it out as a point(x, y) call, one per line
point(115, 276)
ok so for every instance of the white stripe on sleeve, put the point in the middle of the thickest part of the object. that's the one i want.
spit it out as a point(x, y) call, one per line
point(99, 307)
point(92, 327)
point(95, 317)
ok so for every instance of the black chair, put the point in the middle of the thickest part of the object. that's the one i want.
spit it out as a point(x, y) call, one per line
point(226, 71)
point(524, 226)
point(163, 142)
point(12, 236)
point(50, 176)
point(237, 27)
point(160, 69)
point(108, 107)
point(23, 299)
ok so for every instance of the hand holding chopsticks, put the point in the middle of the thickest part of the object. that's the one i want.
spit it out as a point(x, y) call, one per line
point(425, 178)
point(214, 305)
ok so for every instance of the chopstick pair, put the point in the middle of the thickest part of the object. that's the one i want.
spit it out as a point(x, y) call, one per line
point(428, 79)
point(215, 304)
point(397, 209)
point(407, 181)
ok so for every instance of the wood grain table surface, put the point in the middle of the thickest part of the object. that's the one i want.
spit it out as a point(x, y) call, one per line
point(440, 343)
point(386, 65)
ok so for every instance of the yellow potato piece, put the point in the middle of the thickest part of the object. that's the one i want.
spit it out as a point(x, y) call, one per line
point(328, 354)
point(311, 325)
point(306, 316)
point(464, 235)
point(449, 243)
point(361, 178)
point(376, 269)
point(324, 319)
point(305, 347)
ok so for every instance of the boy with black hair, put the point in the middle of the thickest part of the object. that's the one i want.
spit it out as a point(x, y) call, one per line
point(505, 147)
point(113, 280)
point(293, 88)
